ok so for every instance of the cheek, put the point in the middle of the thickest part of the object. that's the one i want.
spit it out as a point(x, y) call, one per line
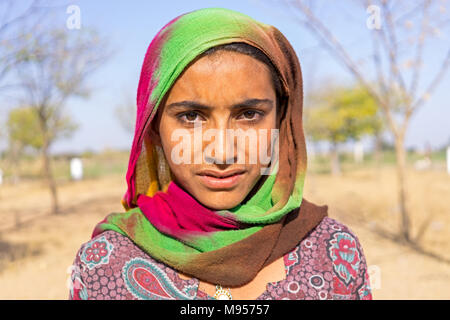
point(267, 133)
point(177, 145)
point(166, 130)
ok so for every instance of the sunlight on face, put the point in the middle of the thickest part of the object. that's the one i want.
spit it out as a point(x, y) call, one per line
point(227, 90)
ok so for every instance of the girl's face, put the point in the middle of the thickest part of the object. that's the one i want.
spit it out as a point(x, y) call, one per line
point(226, 90)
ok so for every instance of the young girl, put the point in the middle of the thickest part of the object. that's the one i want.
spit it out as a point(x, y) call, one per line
point(214, 206)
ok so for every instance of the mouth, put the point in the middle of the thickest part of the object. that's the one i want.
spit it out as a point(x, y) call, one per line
point(221, 179)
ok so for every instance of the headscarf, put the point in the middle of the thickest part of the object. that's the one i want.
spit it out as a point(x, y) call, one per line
point(227, 247)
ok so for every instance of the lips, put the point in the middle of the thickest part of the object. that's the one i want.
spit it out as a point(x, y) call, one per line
point(221, 174)
point(221, 179)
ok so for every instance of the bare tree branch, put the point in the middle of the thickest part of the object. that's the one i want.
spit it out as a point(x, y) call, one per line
point(335, 48)
point(434, 83)
point(55, 67)
point(419, 50)
point(393, 52)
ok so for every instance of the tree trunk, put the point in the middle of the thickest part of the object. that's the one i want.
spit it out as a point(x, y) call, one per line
point(43, 118)
point(14, 162)
point(377, 150)
point(49, 176)
point(402, 187)
point(335, 164)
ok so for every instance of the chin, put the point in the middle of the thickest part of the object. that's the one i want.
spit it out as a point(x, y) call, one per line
point(219, 199)
point(220, 206)
point(219, 202)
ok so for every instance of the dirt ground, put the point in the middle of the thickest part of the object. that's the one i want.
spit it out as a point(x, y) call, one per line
point(35, 257)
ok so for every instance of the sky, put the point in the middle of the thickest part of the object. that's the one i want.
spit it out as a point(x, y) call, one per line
point(129, 26)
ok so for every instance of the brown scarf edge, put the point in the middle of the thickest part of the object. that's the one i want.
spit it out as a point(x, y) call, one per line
point(238, 263)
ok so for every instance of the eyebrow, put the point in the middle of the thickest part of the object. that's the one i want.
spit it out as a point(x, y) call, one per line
point(197, 105)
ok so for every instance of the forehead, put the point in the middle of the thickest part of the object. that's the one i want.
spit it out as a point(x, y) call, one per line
point(223, 77)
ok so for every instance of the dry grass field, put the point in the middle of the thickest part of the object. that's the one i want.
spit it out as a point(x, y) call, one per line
point(37, 249)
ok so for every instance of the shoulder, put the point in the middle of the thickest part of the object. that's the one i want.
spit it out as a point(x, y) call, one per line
point(330, 232)
point(321, 244)
point(345, 255)
point(332, 261)
point(100, 249)
point(97, 265)
point(111, 266)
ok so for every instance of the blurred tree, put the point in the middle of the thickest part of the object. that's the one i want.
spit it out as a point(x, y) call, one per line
point(339, 114)
point(17, 24)
point(126, 112)
point(23, 132)
point(24, 129)
point(54, 67)
point(399, 32)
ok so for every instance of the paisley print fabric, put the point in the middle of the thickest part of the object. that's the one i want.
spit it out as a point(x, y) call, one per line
point(327, 264)
point(147, 281)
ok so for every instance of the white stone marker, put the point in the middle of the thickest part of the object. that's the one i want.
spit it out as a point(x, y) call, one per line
point(76, 169)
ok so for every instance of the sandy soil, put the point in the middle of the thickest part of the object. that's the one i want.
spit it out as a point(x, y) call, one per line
point(35, 258)
point(41, 251)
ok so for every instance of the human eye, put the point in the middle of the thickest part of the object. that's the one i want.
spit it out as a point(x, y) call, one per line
point(189, 117)
point(251, 115)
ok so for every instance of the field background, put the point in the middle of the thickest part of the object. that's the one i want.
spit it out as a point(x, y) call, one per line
point(37, 249)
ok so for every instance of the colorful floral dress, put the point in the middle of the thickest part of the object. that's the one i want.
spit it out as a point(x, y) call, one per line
point(327, 264)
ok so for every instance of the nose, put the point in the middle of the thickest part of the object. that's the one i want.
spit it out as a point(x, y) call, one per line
point(222, 150)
